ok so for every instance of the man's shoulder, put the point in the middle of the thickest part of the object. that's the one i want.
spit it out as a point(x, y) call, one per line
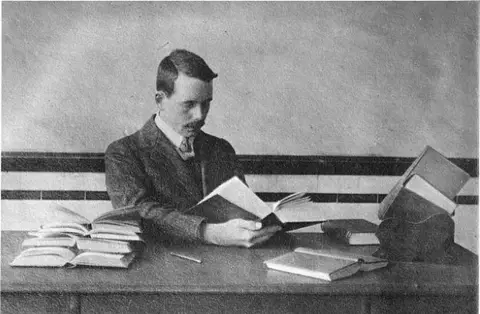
point(213, 140)
point(122, 144)
point(145, 136)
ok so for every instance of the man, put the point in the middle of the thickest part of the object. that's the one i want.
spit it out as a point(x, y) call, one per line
point(164, 167)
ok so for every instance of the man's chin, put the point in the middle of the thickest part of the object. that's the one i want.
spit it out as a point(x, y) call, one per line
point(189, 132)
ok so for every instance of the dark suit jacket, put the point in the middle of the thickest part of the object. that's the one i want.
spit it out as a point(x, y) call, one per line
point(144, 169)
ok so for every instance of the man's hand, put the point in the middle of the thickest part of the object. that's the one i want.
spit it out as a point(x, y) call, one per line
point(238, 232)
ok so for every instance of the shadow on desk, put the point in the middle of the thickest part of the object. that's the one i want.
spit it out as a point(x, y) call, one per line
point(235, 280)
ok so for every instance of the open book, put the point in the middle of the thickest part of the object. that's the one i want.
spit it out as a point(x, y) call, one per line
point(82, 244)
point(118, 224)
point(233, 199)
point(326, 264)
point(66, 256)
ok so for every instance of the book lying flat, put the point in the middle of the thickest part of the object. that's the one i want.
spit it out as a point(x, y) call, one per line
point(64, 256)
point(351, 231)
point(82, 244)
point(119, 224)
point(233, 199)
point(326, 264)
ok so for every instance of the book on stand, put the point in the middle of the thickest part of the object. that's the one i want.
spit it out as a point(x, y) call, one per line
point(326, 264)
point(233, 199)
point(431, 181)
point(351, 231)
point(416, 214)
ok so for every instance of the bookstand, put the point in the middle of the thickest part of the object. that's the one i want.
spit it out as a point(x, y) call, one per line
point(416, 218)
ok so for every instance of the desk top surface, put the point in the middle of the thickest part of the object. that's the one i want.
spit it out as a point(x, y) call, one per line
point(237, 270)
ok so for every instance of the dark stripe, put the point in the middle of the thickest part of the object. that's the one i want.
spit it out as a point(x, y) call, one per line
point(63, 195)
point(381, 197)
point(21, 195)
point(265, 196)
point(467, 199)
point(96, 196)
point(323, 197)
point(252, 164)
point(357, 198)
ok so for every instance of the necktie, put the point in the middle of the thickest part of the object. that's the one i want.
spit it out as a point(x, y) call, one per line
point(185, 146)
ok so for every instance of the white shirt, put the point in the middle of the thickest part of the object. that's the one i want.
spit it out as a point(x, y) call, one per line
point(173, 136)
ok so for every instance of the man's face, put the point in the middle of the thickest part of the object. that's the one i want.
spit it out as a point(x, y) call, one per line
point(187, 107)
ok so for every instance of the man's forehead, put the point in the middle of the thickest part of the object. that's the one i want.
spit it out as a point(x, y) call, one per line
point(187, 86)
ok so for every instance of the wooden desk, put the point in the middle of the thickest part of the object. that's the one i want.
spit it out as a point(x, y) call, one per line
point(234, 280)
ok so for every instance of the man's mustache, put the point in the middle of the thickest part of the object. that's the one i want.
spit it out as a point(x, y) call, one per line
point(195, 124)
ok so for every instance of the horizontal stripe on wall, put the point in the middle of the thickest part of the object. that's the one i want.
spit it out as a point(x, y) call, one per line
point(265, 196)
point(336, 184)
point(252, 164)
point(31, 214)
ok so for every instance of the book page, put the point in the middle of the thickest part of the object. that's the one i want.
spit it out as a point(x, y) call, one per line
point(293, 200)
point(421, 187)
point(235, 191)
point(127, 214)
point(63, 214)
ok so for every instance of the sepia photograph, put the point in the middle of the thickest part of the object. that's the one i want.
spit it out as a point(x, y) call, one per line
point(239, 157)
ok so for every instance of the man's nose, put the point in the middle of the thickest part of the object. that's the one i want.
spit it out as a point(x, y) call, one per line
point(197, 112)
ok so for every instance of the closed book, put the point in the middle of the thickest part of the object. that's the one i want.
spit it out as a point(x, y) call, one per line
point(326, 264)
point(351, 231)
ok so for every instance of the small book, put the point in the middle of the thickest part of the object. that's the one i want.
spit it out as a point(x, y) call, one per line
point(326, 264)
point(233, 199)
point(119, 224)
point(351, 231)
point(64, 256)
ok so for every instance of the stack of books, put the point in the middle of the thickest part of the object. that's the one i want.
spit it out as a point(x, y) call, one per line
point(111, 240)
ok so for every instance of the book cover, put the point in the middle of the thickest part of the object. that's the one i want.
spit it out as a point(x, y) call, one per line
point(328, 265)
point(351, 231)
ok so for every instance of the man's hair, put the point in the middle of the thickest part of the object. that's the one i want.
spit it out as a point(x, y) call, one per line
point(183, 61)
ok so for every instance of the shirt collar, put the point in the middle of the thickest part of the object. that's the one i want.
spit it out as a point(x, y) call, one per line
point(170, 133)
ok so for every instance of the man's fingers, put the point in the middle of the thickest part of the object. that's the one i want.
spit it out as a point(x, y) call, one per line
point(248, 224)
point(259, 240)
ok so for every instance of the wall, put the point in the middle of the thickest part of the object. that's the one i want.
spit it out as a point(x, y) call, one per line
point(306, 78)
point(303, 78)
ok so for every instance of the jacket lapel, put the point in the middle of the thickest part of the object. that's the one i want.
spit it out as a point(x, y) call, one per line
point(166, 159)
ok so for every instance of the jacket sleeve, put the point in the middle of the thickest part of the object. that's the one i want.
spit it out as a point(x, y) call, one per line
point(233, 159)
point(128, 184)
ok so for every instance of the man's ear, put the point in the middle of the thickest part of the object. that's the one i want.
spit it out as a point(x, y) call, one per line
point(159, 97)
